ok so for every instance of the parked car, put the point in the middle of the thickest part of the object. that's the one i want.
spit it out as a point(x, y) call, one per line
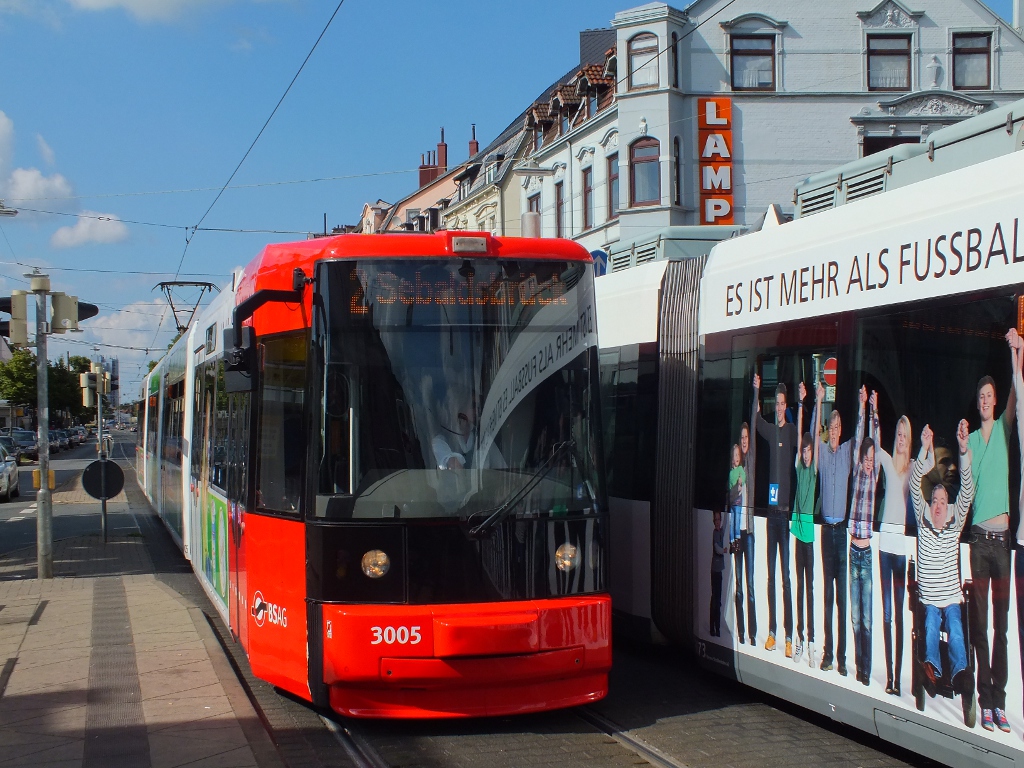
point(26, 440)
point(54, 441)
point(8, 442)
point(9, 479)
point(65, 440)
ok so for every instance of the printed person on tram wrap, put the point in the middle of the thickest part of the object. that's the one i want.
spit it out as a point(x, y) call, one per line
point(743, 548)
point(892, 559)
point(938, 558)
point(1017, 356)
point(990, 546)
point(736, 494)
point(862, 512)
point(781, 438)
point(717, 571)
point(802, 525)
point(834, 465)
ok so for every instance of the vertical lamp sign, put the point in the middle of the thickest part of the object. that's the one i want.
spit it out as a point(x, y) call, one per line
point(715, 153)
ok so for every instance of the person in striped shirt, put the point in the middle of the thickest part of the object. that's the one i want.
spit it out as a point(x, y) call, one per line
point(938, 556)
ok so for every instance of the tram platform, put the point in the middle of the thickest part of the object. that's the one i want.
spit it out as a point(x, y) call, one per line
point(117, 661)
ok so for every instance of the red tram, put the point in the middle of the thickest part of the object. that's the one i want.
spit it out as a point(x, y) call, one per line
point(401, 436)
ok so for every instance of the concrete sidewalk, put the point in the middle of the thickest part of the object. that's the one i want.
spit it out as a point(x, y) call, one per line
point(107, 665)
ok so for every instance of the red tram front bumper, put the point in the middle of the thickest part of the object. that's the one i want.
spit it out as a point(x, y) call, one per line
point(467, 660)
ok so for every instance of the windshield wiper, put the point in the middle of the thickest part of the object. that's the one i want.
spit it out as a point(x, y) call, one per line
point(499, 513)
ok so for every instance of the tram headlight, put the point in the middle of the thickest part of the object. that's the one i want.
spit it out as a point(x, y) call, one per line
point(376, 563)
point(567, 557)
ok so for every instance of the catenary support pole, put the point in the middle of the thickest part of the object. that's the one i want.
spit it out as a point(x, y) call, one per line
point(44, 508)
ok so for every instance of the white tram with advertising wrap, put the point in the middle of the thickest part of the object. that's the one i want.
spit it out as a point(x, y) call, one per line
point(827, 586)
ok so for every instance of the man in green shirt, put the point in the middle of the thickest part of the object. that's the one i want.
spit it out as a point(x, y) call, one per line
point(802, 525)
point(990, 550)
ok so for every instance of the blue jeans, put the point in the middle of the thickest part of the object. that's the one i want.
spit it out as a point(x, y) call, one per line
point(860, 607)
point(893, 570)
point(934, 619)
point(735, 517)
point(745, 558)
point(778, 549)
point(833, 564)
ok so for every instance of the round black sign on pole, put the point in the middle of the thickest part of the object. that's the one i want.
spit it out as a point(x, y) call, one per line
point(92, 479)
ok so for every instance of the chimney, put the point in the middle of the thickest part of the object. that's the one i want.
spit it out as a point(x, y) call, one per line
point(442, 156)
point(474, 145)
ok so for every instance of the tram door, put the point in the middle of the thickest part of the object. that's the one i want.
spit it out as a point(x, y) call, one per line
point(273, 538)
point(239, 409)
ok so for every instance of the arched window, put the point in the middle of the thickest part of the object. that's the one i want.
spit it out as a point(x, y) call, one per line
point(673, 61)
point(645, 172)
point(677, 179)
point(643, 61)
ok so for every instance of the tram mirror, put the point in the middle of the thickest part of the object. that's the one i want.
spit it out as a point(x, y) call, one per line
point(337, 393)
point(238, 370)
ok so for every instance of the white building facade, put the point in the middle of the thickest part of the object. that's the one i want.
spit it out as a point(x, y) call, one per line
point(717, 111)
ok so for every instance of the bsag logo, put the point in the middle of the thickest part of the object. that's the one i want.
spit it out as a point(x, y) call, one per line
point(262, 610)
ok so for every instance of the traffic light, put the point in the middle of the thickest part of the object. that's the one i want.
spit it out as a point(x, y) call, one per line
point(88, 383)
point(65, 313)
point(17, 329)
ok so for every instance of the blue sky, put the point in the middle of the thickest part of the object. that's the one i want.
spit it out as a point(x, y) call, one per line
point(105, 99)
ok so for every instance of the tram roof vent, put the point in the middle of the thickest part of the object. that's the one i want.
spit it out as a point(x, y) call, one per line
point(865, 186)
point(817, 200)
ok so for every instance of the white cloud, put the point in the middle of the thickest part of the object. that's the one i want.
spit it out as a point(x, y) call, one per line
point(144, 10)
point(45, 151)
point(91, 227)
point(29, 184)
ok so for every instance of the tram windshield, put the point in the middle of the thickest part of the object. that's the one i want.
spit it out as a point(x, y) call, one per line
point(449, 386)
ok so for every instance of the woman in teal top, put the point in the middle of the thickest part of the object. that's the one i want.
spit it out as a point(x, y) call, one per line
point(802, 527)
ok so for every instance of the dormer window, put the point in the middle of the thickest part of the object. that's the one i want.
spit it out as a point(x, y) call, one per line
point(563, 123)
point(643, 61)
point(592, 104)
point(491, 173)
point(538, 138)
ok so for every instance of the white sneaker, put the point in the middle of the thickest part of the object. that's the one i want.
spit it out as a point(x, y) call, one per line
point(810, 655)
point(797, 653)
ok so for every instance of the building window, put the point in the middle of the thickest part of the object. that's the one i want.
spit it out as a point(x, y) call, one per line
point(533, 203)
point(613, 187)
point(645, 172)
point(643, 61)
point(563, 123)
point(972, 55)
point(592, 105)
point(559, 210)
point(538, 138)
point(588, 198)
point(888, 63)
point(753, 63)
point(677, 182)
point(673, 60)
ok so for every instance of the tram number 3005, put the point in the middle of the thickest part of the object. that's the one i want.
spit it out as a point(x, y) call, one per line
point(392, 635)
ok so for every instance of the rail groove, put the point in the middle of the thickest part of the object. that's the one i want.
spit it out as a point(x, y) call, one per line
point(651, 754)
point(359, 750)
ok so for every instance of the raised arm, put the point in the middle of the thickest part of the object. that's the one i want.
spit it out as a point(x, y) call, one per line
point(758, 422)
point(875, 432)
point(966, 495)
point(801, 394)
point(862, 398)
point(923, 465)
point(815, 429)
point(1013, 340)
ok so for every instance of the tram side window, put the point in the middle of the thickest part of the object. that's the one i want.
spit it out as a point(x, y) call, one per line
point(629, 399)
point(728, 424)
point(198, 427)
point(238, 446)
point(282, 439)
point(219, 430)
